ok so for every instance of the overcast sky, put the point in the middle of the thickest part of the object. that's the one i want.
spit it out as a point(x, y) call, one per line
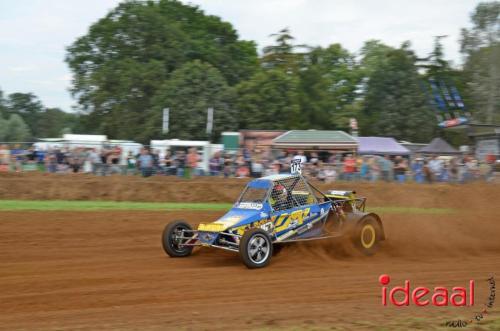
point(35, 33)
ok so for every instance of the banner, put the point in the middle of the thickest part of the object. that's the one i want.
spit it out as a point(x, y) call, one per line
point(210, 120)
point(166, 113)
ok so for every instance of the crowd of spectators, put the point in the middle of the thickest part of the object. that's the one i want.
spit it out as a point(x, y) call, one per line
point(325, 166)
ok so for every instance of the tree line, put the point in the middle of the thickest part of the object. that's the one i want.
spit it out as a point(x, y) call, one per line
point(144, 56)
point(23, 118)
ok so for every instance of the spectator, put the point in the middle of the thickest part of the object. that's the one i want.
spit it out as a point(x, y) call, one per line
point(364, 171)
point(349, 167)
point(453, 170)
point(428, 175)
point(227, 165)
point(146, 163)
point(131, 163)
point(17, 156)
point(192, 163)
point(400, 168)
point(180, 163)
point(330, 174)
point(113, 160)
point(4, 158)
point(95, 161)
point(472, 168)
point(386, 167)
point(156, 161)
point(417, 169)
point(374, 166)
point(484, 171)
point(257, 167)
point(436, 168)
point(216, 164)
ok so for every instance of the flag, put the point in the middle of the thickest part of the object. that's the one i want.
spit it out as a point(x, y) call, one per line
point(437, 96)
point(447, 96)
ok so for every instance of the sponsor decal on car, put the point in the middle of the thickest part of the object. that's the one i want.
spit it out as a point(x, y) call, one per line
point(250, 205)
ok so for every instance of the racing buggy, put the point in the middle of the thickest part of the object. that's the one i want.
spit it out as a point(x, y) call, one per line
point(275, 210)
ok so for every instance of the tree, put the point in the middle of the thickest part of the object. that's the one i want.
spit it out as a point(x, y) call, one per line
point(481, 47)
point(373, 55)
point(16, 129)
point(268, 100)
point(189, 92)
point(125, 57)
point(282, 54)
point(485, 31)
point(3, 129)
point(53, 121)
point(435, 64)
point(28, 107)
point(394, 104)
point(3, 106)
point(328, 81)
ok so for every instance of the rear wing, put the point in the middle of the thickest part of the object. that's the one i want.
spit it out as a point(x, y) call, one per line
point(358, 202)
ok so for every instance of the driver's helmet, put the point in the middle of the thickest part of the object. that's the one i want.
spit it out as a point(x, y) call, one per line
point(279, 191)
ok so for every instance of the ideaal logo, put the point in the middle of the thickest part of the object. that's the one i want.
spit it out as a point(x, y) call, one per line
point(439, 296)
point(460, 296)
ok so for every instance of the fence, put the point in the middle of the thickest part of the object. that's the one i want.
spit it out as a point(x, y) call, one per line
point(132, 159)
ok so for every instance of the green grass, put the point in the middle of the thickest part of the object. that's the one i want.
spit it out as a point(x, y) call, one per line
point(107, 205)
point(47, 205)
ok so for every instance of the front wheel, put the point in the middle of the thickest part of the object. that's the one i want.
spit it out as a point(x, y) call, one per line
point(256, 248)
point(367, 235)
point(174, 236)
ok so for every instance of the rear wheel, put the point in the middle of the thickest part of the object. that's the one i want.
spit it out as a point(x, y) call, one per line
point(174, 236)
point(367, 235)
point(256, 248)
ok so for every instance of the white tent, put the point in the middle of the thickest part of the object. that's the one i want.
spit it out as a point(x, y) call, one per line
point(205, 148)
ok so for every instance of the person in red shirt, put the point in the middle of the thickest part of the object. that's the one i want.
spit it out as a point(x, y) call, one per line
point(349, 167)
point(192, 162)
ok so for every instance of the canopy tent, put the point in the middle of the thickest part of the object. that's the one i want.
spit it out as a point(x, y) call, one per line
point(439, 147)
point(316, 140)
point(380, 146)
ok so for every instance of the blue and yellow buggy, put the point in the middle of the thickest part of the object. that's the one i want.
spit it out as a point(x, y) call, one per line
point(275, 210)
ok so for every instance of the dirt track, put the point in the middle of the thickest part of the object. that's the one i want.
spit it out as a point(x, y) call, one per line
point(107, 271)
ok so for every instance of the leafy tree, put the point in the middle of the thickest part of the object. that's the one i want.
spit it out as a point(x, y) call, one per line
point(189, 92)
point(3, 129)
point(435, 64)
point(28, 106)
point(53, 121)
point(481, 47)
point(482, 72)
point(268, 100)
point(41, 121)
point(328, 82)
point(394, 104)
point(282, 55)
point(3, 107)
point(373, 54)
point(485, 31)
point(125, 57)
point(16, 129)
